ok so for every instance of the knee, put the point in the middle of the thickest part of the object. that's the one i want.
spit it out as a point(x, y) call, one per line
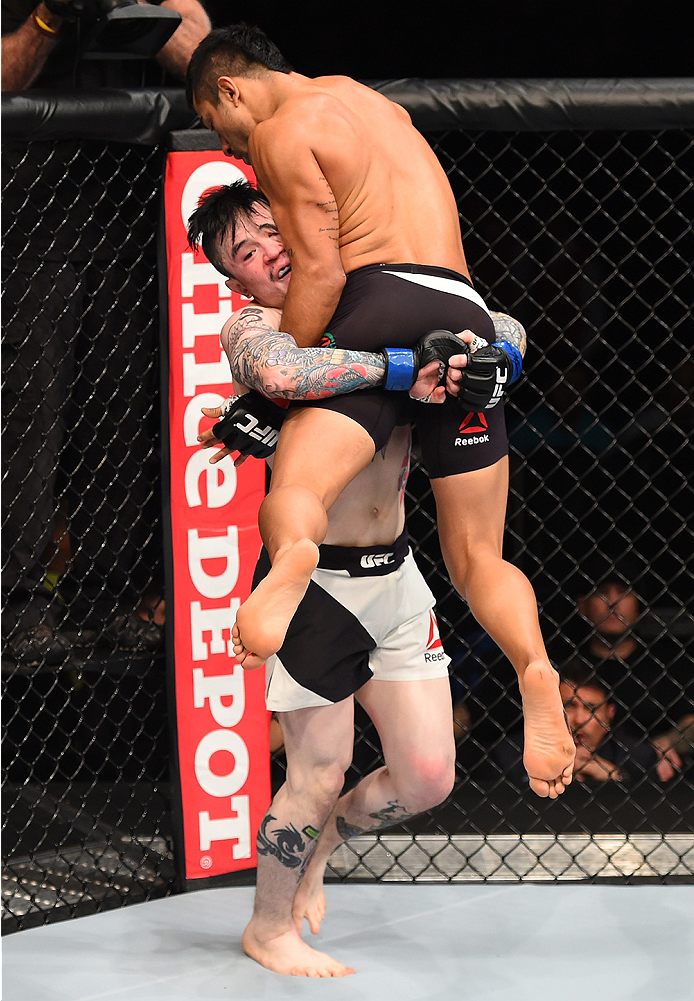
point(457, 568)
point(321, 784)
point(428, 782)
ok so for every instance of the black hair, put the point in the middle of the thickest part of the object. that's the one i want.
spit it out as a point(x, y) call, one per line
point(236, 50)
point(218, 213)
point(580, 675)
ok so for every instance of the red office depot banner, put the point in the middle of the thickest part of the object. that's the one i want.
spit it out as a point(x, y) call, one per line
point(222, 724)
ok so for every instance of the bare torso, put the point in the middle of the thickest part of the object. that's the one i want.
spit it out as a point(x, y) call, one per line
point(370, 511)
point(394, 202)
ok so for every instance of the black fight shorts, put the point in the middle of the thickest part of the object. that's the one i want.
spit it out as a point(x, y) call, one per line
point(393, 305)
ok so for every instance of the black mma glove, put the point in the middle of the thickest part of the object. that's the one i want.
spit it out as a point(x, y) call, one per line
point(403, 364)
point(250, 425)
point(489, 372)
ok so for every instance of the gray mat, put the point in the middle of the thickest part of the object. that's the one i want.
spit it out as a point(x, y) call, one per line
point(407, 943)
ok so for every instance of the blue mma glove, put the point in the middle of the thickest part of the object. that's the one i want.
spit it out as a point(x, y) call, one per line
point(250, 425)
point(403, 364)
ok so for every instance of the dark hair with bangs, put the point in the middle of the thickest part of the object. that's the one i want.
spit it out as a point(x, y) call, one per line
point(218, 213)
point(236, 50)
point(581, 675)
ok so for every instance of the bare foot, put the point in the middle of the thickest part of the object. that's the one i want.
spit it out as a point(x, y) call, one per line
point(549, 747)
point(309, 901)
point(262, 621)
point(250, 661)
point(289, 955)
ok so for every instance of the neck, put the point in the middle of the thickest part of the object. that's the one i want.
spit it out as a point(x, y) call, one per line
point(276, 89)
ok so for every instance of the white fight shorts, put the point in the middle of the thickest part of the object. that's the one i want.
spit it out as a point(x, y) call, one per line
point(367, 613)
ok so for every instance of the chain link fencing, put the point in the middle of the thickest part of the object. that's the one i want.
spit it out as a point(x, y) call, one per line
point(586, 237)
point(86, 813)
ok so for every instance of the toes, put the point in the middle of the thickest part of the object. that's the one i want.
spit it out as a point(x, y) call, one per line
point(539, 786)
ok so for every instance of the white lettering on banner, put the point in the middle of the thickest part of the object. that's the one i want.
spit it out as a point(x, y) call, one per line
point(200, 273)
point(220, 480)
point(208, 175)
point(236, 828)
point(214, 688)
point(193, 416)
point(221, 785)
point(203, 324)
point(209, 548)
point(213, 621)
point(218, 699)
point(208, 373)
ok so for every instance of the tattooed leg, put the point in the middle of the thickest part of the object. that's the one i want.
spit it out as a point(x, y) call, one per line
point(414, 720)
point(347, 820)
point(318, 744)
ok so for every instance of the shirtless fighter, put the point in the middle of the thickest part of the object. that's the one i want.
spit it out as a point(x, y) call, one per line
point(365, 627)
point(356, 191)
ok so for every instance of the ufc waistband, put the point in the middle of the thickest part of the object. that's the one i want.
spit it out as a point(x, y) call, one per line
point(365, 561)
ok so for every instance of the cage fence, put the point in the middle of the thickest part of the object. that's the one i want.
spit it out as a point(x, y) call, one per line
point(585, 236)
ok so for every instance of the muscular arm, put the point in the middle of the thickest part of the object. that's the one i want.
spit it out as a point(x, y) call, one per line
point(306, 213)
point(269, 361)
point(175, 55)
point(25, 51)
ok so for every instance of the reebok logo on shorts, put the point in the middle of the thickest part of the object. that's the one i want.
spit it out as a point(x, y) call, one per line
point(473, 430)
point(434, 651)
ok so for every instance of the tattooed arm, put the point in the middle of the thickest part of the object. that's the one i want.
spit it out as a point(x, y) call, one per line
point(508, 329)
point(267, 360)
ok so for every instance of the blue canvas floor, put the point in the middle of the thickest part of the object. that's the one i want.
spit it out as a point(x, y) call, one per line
point(407, 943)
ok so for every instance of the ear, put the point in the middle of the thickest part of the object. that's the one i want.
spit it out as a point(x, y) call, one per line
point(611, 709)
point(228, 89)
point(235, 286)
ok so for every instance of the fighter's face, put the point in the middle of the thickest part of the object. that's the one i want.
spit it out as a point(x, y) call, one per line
point(230, 120)
point(257, 260)
point(588, 713)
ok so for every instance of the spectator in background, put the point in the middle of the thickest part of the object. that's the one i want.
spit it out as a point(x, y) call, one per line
point(602, 753)
point(80, 375)
point(652, 684)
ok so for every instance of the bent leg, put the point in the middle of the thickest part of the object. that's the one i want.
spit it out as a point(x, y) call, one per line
point(414, 720)
point(318, 454)
point(471, 509)
point(318, 744)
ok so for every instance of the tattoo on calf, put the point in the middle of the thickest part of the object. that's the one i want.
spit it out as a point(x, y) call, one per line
point(390, 814)
point(287, 844)
point(346, 830)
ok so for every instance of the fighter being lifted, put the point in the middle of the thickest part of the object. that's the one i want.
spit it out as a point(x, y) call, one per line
point(370, 225)
point(364, 630)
